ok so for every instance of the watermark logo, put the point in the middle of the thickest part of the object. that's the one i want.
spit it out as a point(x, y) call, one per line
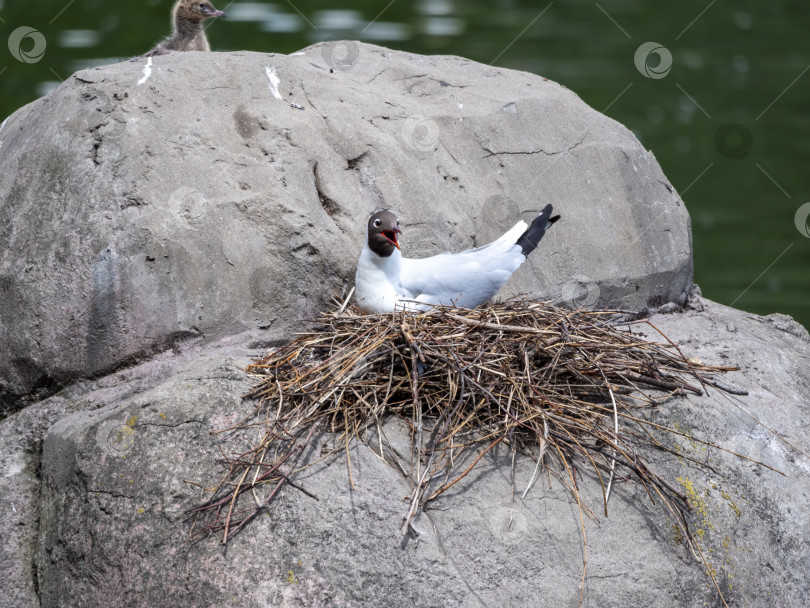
point(733, 140)
point(189, 204)
point(340, 55)
point(420, 134)
point(508, 525)
point(116, 437)
point(802, 219)
point(32, 39)
point(580, 292)
point(653, 60)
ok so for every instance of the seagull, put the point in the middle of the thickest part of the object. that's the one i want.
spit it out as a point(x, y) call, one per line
point(386, 281)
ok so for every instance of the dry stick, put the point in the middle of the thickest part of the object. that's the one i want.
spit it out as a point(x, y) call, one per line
point(616, 435)
point(407, 520)
point(467, 470)
point(728, 388)
point(234, 493)
point(639, 470)
point(222, 480)
point(233, 466)
point(680, 519)
point(417, 422)
point(233, 502)
point(711, 574)
point(258, 469)
point(349, 465)
point(298, 486)
point(270, 472)
point(346, 301)
point(543, 448)
point(662, 384)
point(643, 423)
point(584, 451)
point(280, 484)
point(421, 485)
point(417, 412)
point(676, 347)
point(496, 326)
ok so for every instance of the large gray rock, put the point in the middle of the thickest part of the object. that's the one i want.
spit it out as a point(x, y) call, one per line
point(112, 492)
point(138, 212)
point(197, 211)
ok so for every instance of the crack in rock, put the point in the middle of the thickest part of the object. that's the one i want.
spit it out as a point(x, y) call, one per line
point(169, 426)
point(532, 152)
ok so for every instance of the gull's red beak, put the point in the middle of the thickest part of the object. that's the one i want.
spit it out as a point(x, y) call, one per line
point(391, 235)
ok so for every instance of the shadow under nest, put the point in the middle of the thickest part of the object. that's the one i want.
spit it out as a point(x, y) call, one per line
point(570, 389)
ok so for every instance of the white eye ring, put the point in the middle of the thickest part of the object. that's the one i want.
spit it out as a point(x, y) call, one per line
point(377, 222)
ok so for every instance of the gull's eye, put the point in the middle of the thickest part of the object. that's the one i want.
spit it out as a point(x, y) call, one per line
point(377, 223)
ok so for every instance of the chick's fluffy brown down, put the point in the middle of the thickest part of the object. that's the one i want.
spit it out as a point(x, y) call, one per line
point(188, 33)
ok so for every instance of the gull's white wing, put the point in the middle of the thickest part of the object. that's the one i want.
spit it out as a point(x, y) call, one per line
point(467, 278)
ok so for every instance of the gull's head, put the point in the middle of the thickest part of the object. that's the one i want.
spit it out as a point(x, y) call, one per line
point(383, 228)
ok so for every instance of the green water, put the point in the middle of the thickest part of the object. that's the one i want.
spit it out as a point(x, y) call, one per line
point(729, 122)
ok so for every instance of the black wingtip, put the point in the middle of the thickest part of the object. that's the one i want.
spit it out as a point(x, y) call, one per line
point(529, 240)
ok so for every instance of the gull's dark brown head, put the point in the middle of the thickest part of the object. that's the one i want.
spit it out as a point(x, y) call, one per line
point(383, 228)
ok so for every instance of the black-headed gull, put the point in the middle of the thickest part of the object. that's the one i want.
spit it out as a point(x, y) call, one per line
point(386, 281)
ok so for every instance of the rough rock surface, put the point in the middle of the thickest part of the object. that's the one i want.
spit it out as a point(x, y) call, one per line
point(141, 207)
point(110, 528)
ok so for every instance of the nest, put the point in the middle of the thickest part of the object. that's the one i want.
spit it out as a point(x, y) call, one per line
point(570, 389)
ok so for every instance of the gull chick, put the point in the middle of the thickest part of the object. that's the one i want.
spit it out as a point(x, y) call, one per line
point(386, 281)
point(188, 33)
